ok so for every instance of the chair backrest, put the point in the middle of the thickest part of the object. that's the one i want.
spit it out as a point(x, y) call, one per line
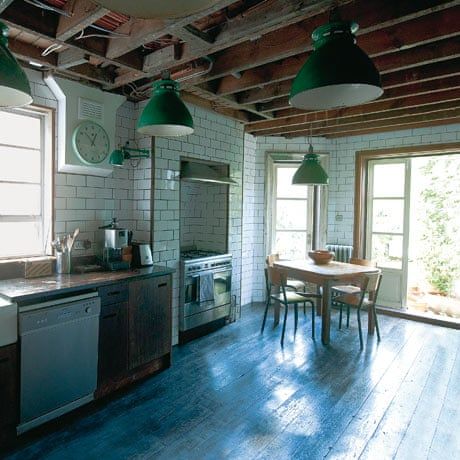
point(373, 285)
point(276, 277)
point(365, 262)
point(271, 258)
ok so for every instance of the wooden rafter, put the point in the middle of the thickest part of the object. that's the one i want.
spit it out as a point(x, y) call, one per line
point(82, 14)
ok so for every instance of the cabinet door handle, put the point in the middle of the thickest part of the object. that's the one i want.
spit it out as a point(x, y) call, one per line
point(162, 285)
point(110, 315)
point(113, 293)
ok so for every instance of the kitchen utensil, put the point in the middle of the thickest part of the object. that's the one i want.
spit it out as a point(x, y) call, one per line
point(63, 262)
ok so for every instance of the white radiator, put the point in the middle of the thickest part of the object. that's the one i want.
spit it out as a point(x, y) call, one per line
point(342, 251)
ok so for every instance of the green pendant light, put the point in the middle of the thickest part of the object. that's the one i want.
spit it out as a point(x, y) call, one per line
point(165, 114)
point(338, 73)
point(14, 85)
point(310, 171)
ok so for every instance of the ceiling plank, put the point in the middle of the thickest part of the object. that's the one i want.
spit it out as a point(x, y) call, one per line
point(142, 31)
point(288, 68)
point(414, 89)
point(395, 124)
point(260, 19)
point(398, 108)
point(389, 80)
point(207, 104)
point(382, 129)
point(28, 52)
point(293, 40)
point(71, 58)
point(24, 17)
point(82, 14)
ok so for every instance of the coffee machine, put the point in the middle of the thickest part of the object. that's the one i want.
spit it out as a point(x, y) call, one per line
point(113, 240)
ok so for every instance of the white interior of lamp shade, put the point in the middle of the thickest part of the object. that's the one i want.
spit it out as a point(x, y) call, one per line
point(165, 130)
point(152, 9)
point(332, 96)
point(11, 97)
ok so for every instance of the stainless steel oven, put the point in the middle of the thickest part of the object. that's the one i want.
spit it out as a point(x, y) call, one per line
point(206, 290)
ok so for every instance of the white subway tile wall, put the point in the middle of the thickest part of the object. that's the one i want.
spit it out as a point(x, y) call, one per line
point(203, 215)
point(341, 182)
point(216, 138)
point(89, 201)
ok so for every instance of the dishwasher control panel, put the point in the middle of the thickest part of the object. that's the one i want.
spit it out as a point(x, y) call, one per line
point(53, 315)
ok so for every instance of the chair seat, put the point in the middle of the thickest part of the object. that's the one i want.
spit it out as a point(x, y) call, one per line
point(347, 289)
point(352, 299)
point(295, 284)
point(291, 297)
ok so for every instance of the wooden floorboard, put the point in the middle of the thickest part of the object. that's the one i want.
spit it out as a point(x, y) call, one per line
point(237, 394)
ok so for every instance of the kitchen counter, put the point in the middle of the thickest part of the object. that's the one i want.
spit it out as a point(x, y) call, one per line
point(26, 290)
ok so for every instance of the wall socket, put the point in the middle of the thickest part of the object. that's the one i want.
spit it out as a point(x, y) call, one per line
point(338, 217)
point(82, 244)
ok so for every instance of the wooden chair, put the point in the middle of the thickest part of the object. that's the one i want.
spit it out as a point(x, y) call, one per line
point(350, 288)
point(275, 278)
point(366, 297)
point(296, 285)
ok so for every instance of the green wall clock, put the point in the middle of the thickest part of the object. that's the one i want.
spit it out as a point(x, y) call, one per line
point(91, 142)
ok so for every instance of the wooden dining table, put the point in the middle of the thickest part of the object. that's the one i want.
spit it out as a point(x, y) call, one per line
point(326, 276)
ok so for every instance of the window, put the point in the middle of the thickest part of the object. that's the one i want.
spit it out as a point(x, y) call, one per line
point(292, 214)
point(25, 182)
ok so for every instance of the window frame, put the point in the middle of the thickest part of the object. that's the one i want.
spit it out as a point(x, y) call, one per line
point(46, 116)
point(316, 200)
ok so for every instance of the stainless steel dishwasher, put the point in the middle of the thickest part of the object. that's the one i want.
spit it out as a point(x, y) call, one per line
point(59, 349)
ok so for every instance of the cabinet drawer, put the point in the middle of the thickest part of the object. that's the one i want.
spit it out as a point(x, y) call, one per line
point(114, 293)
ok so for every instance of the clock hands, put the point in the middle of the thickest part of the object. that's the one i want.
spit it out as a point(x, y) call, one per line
point(94, 140)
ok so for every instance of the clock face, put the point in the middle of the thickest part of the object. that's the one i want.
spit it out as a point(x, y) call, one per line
point(91, 142)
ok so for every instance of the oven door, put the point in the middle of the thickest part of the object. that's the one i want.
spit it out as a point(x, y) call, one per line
point(222, 287)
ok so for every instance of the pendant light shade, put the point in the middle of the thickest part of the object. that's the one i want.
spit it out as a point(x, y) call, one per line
point(14, 85)
point(338, 73)
point(310, 171)
point(165, 114)
point(116, 158)
point(151, 9)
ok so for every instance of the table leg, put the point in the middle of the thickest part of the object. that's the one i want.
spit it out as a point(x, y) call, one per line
point(318, 301)
point(370, 322)
point(326, 314)
point(276, 313)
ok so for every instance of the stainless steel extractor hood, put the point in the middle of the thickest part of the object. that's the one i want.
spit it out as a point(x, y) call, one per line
point(200, 172)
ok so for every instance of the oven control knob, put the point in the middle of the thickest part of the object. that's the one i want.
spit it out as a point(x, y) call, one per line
point(88, 310)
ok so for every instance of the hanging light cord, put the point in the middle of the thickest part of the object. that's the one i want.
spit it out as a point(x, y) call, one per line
point(44, 6)
point(110, 33)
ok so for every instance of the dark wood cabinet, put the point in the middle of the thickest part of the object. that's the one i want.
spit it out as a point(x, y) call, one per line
point(8, 386)
point(149, 320)
point(113, 343)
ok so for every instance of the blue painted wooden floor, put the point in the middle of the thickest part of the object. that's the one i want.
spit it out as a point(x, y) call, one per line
point(236, 394)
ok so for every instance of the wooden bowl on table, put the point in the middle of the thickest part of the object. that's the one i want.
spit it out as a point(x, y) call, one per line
point(321, 256)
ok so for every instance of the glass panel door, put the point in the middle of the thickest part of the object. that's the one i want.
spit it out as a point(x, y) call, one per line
point(292, 214)
point(387, 226)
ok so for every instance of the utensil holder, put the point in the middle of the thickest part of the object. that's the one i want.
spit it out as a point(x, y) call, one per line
point(63, 262)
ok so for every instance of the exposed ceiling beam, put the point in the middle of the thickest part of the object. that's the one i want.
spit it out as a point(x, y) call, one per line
point(260, 19)
point(43, 24)
point(288, 68)
point(71, 58)
point(393, 124)
point(82, 14)
point(282, 109)
point(377, 39)
point(207, 104)
point(386, 109)
point(27, 52)
point(389, 80)
point(142, 31)
point(410, 125)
